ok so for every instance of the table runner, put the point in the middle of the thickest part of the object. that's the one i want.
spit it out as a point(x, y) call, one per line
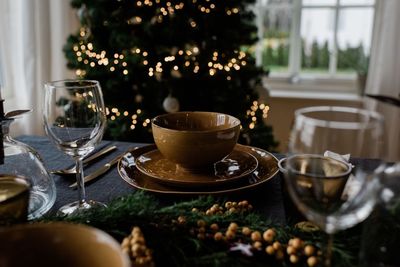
point(266, 198)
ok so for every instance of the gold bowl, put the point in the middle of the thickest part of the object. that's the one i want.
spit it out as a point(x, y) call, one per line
point(195, 140)
point(59, 244)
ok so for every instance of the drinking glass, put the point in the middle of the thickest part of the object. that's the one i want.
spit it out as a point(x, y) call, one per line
point(328, 190)
point(74, 120)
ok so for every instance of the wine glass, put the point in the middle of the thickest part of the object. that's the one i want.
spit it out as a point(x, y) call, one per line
point(328, 190)
point(74, 120)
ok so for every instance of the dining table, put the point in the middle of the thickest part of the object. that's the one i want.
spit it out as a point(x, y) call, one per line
point(269, 199)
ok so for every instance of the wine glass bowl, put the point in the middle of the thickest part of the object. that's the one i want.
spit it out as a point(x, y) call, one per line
point(324, 174)
point(74, 120)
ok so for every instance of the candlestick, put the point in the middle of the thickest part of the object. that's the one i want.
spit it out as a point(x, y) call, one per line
point(1, 129)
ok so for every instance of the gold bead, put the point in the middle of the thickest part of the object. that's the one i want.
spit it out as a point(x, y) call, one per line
point(137, 240)
point(125, 242)
point(290, 250)
point(138, 249)
point(228, 205)
point(218, 236)
point(312, 261)
point(243, 204)
point(276, 245)
point(214, 210)
point(269, 235)
point(256, 236)
point(257, 245)
point(309, 250)
point(294, 259)
point(181, 220)
point(297, 243)
point(125, 250)
point(270, 250)
point(233, 226)
point(201, 223)
point(136, 230)
point(232, 210)
point(246, 231)
point(230, 234)
point(214, 227)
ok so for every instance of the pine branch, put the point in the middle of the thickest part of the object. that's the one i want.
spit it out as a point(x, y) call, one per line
point(172, 232)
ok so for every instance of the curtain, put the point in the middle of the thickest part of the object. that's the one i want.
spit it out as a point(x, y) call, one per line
point(33, 33)
point(383, 73)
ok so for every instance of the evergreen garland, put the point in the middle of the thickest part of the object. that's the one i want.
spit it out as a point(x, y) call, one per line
point(172, 232)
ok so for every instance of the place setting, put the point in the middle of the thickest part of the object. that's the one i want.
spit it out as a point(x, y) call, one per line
point(196, 153)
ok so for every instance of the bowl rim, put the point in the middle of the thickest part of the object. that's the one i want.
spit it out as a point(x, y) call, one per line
point(237, 122)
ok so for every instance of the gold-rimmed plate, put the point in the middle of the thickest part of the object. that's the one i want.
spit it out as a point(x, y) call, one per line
point(238, 164)
point(266, 169)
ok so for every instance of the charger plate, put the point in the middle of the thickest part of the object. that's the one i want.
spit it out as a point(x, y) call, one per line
point(266, 169)
point(233, 167)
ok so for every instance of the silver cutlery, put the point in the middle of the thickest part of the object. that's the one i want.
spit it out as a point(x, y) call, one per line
point(96, 174)
point(86, 161)
point(16, 113)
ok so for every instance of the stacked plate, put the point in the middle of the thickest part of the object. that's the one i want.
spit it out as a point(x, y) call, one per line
point(246, 167)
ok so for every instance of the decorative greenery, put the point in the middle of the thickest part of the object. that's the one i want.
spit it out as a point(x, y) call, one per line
point(153, 57)
point(185, 233)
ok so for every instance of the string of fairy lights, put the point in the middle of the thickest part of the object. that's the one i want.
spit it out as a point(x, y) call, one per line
point(179, 60)
point(86, 54)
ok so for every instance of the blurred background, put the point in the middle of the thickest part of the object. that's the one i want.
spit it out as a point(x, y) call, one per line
point(258, 60)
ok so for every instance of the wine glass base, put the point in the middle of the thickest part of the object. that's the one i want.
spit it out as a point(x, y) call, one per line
point(77, 206)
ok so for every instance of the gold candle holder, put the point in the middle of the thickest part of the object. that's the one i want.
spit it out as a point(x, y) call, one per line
point(14, 199)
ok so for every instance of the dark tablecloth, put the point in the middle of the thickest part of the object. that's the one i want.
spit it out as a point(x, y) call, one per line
point(266, 198)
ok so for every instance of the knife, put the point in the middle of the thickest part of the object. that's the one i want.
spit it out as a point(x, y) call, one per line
point(85, 161)
point(106, 167)
point(99, 154)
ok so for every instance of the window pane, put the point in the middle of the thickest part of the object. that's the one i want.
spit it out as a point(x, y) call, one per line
point(354, 39)
point(356, 2)
point(319, 2)
point(317, 26)
point(275, 56)
point(275, 2)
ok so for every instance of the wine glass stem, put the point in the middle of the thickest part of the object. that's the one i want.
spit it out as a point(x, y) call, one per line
point(328, 251)
point(80, 181)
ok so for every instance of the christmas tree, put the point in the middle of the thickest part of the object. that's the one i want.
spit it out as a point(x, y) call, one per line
point(155, 56)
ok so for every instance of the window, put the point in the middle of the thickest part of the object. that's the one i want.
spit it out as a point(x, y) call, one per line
point(300, 39)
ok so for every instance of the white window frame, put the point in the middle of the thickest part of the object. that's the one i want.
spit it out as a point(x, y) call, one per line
point(294, 80)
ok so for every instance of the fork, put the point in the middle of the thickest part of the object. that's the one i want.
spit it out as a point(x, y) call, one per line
point(88, 160)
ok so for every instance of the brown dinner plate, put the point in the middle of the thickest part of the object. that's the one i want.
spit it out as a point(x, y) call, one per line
point(233, 167)
point(266, 169)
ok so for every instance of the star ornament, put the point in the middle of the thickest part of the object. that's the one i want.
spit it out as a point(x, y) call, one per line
point(244, 249)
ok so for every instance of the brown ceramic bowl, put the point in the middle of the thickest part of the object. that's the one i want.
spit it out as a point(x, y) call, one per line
point(59, 244)
point(196, 139)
